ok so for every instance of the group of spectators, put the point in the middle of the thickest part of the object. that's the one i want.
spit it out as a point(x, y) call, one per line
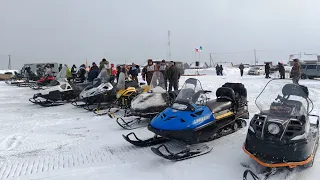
point(295, 72)
point(169, 71)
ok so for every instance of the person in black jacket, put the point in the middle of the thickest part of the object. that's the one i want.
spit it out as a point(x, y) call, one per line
point(267, 70)
point(218, 69)
point(81, 74)
point(134, 71)
point(173, 76)
point(281, 71)
point(241, 67)
point(93, 73)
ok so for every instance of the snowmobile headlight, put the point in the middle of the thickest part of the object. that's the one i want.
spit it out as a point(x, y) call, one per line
point(273, 128)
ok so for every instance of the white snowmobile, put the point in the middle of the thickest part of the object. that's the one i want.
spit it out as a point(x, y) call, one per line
point(101, 90)
point(57, 95)
point(148, 104)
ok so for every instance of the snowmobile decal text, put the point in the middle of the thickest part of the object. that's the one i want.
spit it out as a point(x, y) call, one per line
point(200, 120)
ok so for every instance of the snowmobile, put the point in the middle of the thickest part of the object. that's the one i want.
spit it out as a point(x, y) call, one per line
point(148, 104)
point(57, 95)
point(126, 90)
point(284, 134)
point(101, 90)
point(44, 81)
point(194, 119)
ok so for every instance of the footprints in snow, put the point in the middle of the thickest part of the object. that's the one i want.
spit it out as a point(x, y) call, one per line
point(11, 142)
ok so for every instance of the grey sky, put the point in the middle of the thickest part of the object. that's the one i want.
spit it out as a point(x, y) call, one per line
point(69, 31)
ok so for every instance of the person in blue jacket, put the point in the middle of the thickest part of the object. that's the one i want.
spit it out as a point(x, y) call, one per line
point(93, 73)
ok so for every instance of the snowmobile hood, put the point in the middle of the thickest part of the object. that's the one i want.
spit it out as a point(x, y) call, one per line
point(146, 100)
point(101, 89)
point(62, 87)
point(172, 119)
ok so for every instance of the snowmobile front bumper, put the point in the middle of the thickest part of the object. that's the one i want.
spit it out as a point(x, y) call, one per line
point(280, 155)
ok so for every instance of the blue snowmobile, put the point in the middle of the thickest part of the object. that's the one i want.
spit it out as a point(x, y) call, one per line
point(195, 119)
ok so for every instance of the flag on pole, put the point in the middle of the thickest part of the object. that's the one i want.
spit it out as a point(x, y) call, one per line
point(197, 50)
point(200, 48)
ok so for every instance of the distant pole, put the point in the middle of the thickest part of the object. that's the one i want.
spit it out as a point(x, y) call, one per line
point(210, 58)
point(255, 57)
point(169, 47)
point(9, 65)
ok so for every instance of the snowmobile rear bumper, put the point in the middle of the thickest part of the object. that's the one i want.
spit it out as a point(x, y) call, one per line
point(279, 155)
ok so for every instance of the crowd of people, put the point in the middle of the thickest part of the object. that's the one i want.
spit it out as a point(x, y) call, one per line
point(295, 72)
point(169, 71)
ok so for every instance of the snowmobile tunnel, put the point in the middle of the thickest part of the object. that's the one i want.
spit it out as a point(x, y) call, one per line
point(276, 165)
point(295, 89)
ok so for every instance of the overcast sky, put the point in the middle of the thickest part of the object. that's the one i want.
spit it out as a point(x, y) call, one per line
point(69, 31)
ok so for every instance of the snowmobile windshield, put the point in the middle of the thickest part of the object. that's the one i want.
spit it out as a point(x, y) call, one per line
point(157, 83)
point(121, 84)
point(62, 75)
point(190, 93)
point(104, 76)
point(284, 98)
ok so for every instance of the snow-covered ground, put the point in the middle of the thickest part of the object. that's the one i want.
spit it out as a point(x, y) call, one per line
point(66, 142)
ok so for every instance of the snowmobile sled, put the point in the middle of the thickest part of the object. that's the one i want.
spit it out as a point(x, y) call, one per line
point(148, 104)
point(126, 90)
point(57, 95)
point(194, 119)
point(101, 90)
point(285, 133)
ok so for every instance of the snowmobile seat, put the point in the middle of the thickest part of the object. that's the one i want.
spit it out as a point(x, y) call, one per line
point(217, 106)
point(225, 94)
point(238, 88)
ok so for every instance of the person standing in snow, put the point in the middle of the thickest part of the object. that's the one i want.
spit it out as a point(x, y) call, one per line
point(281, 71)
point(241, 67)
point(74, 71)
point(81, 74)
point(48, 70)
point(218, 69)
point(148, 70)
point(163, 68)
point(134, 71)
point(114, 70)
point(173, 76)
point(267, 70)
point(93, 73)
point(221, 70)
point(295, 71)
point(105, 64)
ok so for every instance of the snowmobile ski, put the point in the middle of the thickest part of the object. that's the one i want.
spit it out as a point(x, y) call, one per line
point(253, 175)
point(189, 152)
point(129, 124)
point(145, 143)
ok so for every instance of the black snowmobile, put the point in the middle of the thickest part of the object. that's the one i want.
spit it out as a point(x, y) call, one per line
point(101, 90)
point(284, 133)
point(148, 104)
point(57, 95)
point(194, 119)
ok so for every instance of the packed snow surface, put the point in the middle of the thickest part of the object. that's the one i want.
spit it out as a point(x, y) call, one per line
point(66, 142)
